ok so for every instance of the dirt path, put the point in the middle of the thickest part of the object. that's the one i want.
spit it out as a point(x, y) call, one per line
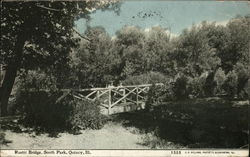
point(111, 136)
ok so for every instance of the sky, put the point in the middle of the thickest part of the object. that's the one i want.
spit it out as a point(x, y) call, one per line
point(174, 15)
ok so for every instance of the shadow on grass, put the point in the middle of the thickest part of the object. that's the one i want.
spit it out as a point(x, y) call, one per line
point(203, 123)
point(19, 125)
point(3, 140)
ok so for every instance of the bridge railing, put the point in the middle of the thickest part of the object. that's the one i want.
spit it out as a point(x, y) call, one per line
point(112, 96)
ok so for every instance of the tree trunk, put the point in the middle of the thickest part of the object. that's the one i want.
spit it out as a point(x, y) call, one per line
point(10, 75)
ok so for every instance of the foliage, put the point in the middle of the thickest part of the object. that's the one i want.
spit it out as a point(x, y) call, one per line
point(157, 51)
point(237, 47)
point(159, 94)
point(194, 54)
point(243, 79)
point(37, 80)
point(38, 97)
point(230, 84)
point(94, 63)
point(196, 123)
point(42, 111)
point(147, 78)
point(204, 121)
point(180, 88)
point(44, 39)
point(210, 85)
point(154, 142)
point(219, 78)
point(38, 34)
point(129, 42)
point(136, 56)
point(86, 114)
point(196, 86)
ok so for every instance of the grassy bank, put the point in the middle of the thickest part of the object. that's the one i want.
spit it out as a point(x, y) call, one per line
point(201, 123)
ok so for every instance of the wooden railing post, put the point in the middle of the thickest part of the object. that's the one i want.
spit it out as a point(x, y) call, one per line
point(109, 102)
point(132, 93)
point(137, 92)
point(97, 95)
point(123, 94)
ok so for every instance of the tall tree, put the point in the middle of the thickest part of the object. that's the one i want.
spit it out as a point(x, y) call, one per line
point(157, 51)
point(94, 62)
point(130, 42)
point(37, 34)
point(194, 55)
point(237, 46)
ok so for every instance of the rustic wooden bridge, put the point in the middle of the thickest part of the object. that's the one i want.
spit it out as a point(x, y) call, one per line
point(115, 99)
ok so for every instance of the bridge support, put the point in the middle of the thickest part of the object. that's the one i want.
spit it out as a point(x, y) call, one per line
point(109, 102)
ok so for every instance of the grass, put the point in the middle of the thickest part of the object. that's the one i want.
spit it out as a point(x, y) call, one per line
point(154, 142)
point(201, 123)
point(111, 136)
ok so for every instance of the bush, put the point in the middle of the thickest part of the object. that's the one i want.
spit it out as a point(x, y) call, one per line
point(219, 78)
point(155, 96)
point(196, 85)
point(86, 114)
point(43, 112)
point(210, 85)
point(203, 121)
point(180, 88)
point(37, 99)
point(243, 80)
point(34, 80)
point(38, 80)
point(230, 85)
point(159, 94)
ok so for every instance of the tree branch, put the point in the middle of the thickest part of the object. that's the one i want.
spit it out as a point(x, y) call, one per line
point(52, 9)
point(84, 37)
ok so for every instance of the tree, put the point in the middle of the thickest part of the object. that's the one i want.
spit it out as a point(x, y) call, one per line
point(96, 61)
point(158, 51)
point(37, 34)
point(243, 73)
point(130, 42)
point(193, 53)
point(237, 48)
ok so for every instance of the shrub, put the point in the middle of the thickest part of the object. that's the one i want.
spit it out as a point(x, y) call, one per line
point(34, 80)
point(155, 94)
point(230, 85)
point(159, 94)
point(210, 85)
point(245, 94)
point(38, 80)
point(86, 114)
point(37, 97)
point(243, 80)
point(202, 121)
point(196, 86)
point(43, 112)
point(40, 109)
point(219, 78)
point(180, 88)
point(154, 142)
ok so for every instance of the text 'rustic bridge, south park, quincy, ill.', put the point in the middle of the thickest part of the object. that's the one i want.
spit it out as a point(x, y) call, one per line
point(114, 99)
